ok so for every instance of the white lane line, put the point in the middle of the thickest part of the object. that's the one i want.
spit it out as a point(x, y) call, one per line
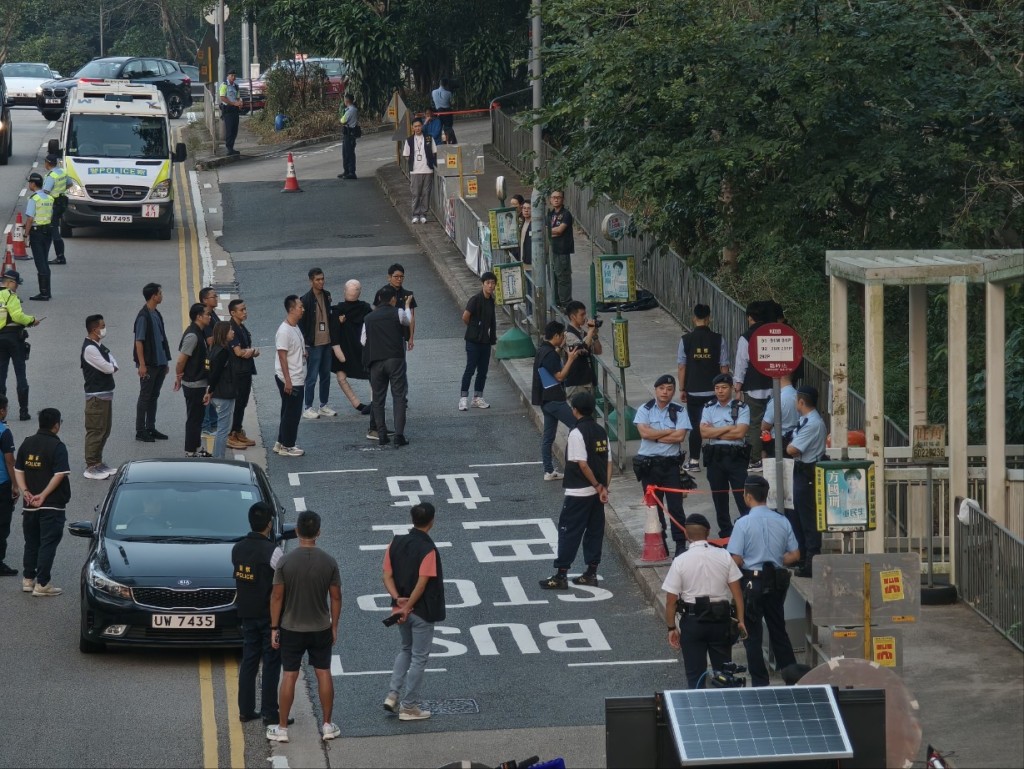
point(293, 478)
point(507, 464)
point(207, 186)
point(365, 548)
point(300, 504)
point(222, 262)
point(277, 762)
point(23, 191)
point(8, 228)
point(204, 243)
point(338, 670)
point(621, 662)
point(217, 233)
point(212, 210)
point(35, 164)
point(240, 457)
point(51, 124)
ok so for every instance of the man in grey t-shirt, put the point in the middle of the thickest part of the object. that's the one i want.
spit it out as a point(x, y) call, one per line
point(303, 621)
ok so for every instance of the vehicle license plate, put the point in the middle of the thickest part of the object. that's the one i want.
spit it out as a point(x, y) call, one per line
point(183, 621)
point(150, 211)
point(116, 218)
point(53, 101)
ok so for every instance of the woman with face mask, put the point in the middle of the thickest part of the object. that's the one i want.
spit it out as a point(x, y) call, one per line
point(98, 367)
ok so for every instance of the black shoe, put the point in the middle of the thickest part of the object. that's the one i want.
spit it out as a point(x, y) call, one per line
point(58, 260)
point(401, 440)
point(276, 719)
point(247, 717)
point(382, 438)
point(7, 571)
point(40, 298)
point(158, 435)
point(555, 582)
point(203, 453)
point(586, 578)
point(24, 416)
point(234, 152)
point(350, 176)
point(145, 436)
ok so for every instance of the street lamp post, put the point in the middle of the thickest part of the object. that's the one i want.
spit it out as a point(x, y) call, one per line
point(539, 218)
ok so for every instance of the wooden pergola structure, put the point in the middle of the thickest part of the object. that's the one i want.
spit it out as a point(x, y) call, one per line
point(916, 270)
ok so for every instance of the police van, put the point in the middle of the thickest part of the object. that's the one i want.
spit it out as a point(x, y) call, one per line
point(116, 148)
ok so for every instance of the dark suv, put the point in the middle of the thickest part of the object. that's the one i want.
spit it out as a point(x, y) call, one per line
point(6, 136)
point(165, 74)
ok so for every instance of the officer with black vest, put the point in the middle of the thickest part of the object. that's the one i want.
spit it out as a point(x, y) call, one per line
point(588, 472)
point(254, 559)
point(723, 424)
point(98, 367)
point(415, 581)
point(703, 355)
point(384, 357)
point(663, 426)
point(191, 377)
point(750, 384)
point(419, 149)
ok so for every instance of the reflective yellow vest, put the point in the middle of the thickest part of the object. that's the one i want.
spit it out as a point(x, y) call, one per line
point(60, 181)
point(44, 209)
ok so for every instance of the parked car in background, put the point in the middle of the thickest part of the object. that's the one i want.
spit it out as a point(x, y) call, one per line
point(165, 74)
point(24, 80)
point(254, 92)
point(197, 81)
point(6, 129)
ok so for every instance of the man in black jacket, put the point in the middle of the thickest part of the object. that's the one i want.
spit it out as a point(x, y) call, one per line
point(316, 331)
point(254, 560)
point(548, 392)
point(191, 378)
point(702, 355)
point(43, 472)
point(384, 357)
point(481, 335)
point(152, 356)
point(415, 582)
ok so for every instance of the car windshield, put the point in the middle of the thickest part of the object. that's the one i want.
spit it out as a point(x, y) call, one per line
point(26, 70)
point(118, 136)
point(181, 511)
point(100, 69)
point(333, 67)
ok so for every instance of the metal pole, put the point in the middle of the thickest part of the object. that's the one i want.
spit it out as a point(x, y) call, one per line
point(539, 216)
point(245, 48)
point(221, 63)
point(930, 519)
point(780, 476)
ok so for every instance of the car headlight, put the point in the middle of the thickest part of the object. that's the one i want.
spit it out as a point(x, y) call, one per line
point(39, 90)
point(75, 190)
point(162, 191)
point(103, 583)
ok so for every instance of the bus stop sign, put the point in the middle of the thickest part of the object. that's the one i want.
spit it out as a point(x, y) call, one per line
point(775, 350)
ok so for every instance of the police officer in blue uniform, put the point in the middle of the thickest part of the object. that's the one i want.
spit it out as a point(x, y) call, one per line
point(807, 448)
point(55, 185)
point(39, 218)
point(790, 417)
point(762, 545)
point(230, 109)
point(723, 424)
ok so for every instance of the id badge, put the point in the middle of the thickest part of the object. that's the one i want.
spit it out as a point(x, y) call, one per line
point(323, 326)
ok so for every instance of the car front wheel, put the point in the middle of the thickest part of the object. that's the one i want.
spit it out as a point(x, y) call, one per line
point(175, 107)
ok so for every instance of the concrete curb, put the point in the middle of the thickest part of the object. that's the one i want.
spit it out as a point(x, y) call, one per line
point(208, 162)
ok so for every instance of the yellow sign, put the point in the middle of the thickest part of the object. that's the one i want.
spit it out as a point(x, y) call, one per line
point(892, 585)
point(452, 160)
point(472, 188)
point(844, 634)
point(904, 618)
point(883, 650)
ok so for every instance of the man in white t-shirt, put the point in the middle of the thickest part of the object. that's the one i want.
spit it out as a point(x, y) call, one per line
point(419, 149)
point(290, 370)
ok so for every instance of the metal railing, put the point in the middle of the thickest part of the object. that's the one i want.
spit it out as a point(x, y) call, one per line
point(659, 269)
point(990, 572)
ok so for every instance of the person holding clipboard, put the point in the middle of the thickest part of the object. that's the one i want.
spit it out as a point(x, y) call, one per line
point(549, 373)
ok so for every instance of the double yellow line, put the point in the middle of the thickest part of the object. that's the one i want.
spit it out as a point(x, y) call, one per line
point(188, 257)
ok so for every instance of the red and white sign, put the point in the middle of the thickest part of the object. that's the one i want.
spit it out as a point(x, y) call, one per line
point(775, 350)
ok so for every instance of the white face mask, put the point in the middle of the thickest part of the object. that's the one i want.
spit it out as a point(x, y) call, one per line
point(103, 332)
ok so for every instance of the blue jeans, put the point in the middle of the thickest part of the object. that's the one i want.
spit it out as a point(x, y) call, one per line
point(417, 636)
point(210, 419)
point(223, 410)
point(318, 367)
point(43, 530)
point(554, 412)
point(256, 646)
point(581, 520)
point(478, 359)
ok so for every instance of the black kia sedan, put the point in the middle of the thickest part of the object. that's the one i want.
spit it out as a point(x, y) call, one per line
point(165, 74)
point(159, 567)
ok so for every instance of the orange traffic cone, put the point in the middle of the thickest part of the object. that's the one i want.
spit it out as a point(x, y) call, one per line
point(291, 182)
point(18, 239)
point(8, 255)
point(654, 546)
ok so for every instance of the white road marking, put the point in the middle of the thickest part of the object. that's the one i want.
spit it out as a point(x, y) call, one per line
point(212, 210)
point(507, 464)
point(204, 243)
point(278, 762)
point(338, 670)
point(8, 228)
point(222, 262)
point(23, 191)
point(50, 125)
point(207, 186)
point(217, 233)
point(240, 457)
point(293, 478)
point(300, 504)
point(385, 547)
point(35, 164)
point(622, 662)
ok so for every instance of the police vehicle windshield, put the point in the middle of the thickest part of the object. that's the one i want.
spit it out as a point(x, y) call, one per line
point(166, 511)
point(118, 136)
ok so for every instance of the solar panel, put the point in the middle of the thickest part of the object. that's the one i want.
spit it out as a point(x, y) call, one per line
point(757, 725)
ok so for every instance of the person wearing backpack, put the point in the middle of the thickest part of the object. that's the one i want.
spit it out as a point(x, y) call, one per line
point(481, 336)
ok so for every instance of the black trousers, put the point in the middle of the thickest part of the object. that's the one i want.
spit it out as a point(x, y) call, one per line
point(807, 534)
point(581, 520)
point(43, 531)
point(243, 388)
point(448, 126)
point(12, 350)
point(256, 647)
point(39, 240)
point(348, 154)
point(701, 641)
point(60, 205)
point(694, 409)
point(6, 514)
point(149, 394)
point(383, 373)
point(667, 474)
point(230, 117)
point(194, 411)
point(767, 606)
point(291, 413)
point(725, 474)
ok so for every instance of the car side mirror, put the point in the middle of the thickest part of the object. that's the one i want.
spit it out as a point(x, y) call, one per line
point(82, 529)
point(180, 153)
point(288, 531)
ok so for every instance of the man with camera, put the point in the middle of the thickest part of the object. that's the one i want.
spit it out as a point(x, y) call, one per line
point(702, 586)
point(663, 426)
point(723, 424)
point(548, 392)
point(762, 545)
point(581, 333)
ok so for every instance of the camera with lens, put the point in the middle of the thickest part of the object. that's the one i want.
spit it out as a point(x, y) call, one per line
point(584, 350)
point(598, 323)
point(727, 677)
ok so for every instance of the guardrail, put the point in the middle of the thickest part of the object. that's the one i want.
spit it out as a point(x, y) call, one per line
point(659, 269)
point(990, 572)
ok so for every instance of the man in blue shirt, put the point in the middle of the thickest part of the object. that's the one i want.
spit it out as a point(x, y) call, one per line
point(789, 417)
point(723, 424)
point(807, 448)
point(663, 426)
point(763, 544)
point(442, 98)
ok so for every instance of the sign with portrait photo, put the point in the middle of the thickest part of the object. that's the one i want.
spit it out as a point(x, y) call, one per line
point(616, 278)
point(845, 495)
point(504, 228)
point(511, 287)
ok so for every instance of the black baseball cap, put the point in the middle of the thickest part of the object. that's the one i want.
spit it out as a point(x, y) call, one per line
point(726, 378)
point(665, 379)
point(36, 178)
point(51, 159)
point(12, 275)
point(696, 519)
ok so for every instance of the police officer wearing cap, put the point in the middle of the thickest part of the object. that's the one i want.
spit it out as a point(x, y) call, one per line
point(39, 218)
point(56, 184)
point(723, 424)
point(808, 448)
point(702, 586)
point(663, 426)
point(762, 545)
point(13, 322)
point(230, 106)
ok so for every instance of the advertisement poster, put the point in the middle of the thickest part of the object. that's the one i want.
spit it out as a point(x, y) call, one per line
point(511, 288)
point(616, 278)
point(504, 228)
point(845, 495)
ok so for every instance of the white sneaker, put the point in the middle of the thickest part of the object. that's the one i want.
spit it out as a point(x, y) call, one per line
point(391, 702)
point(554, 475)
point(292, 451)
point(415, 220)
point(277, 733)
point(278, 448)
point(27, 584)
point(480, 403)
point(330, 731)
point(463, 404)
point(327, 411)
point(95, 473)
point(412, 713)
point(46, 591)
point(310, 413)
point(423, 220)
